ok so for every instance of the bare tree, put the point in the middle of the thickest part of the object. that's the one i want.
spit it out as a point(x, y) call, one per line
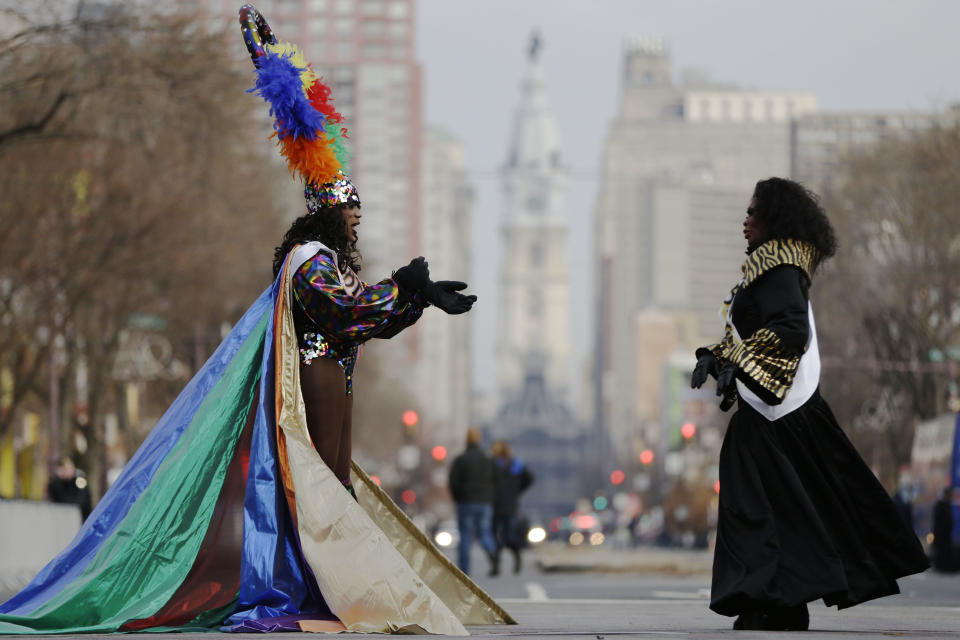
point(133, 181)
point(892, 295)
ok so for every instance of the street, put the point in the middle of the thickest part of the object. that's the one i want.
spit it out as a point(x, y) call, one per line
point(589, 604)
point(555, 604)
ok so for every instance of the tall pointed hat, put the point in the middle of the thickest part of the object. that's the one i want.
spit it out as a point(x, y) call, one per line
point(309, 130)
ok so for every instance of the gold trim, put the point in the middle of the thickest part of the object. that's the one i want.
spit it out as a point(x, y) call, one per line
point(418, 535)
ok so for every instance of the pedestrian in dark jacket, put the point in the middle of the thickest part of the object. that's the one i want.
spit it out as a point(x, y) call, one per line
point(942, 547)
point(69, 485)
point(473, 486)
point(513, 479)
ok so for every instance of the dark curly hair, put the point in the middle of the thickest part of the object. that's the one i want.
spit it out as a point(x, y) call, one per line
point(326, 225)
point(787, 209)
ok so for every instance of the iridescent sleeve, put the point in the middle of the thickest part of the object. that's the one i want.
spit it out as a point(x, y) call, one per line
point(375, 309)
point(410, 310)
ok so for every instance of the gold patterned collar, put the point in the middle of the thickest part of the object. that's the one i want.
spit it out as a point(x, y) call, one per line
point(774, 253)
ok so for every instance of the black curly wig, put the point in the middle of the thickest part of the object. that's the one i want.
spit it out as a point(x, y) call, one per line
point(326, 225)
point(786, 209)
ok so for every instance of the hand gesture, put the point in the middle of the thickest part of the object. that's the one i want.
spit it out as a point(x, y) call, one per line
point(445, 295)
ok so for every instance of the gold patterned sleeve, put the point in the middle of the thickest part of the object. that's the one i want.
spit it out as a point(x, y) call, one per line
point(768, 357)
point(766, 361)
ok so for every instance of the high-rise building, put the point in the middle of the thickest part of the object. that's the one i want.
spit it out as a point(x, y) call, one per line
point(820, 142)
point(443, 370)
point(680, 163)
point(534, 278)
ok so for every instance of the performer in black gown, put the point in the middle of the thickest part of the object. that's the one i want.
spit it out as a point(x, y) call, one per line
point(801, 515)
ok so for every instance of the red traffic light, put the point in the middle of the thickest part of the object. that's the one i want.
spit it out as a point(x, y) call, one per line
point(646, 456)
point(410, 418)
point(439, 452)
point(688, 430)
point(617, 476)
point(409, 496)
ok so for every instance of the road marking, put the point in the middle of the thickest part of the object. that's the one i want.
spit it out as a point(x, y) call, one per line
point(536, 592)
point(702, 594)
point(588, 601)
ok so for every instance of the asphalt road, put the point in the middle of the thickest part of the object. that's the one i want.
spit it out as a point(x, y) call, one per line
point(595, 605)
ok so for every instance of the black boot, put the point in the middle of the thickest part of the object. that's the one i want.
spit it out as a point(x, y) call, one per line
point(774, 619)
point(751, 621)
point(516, 560)
point(789, 618)
point(494, 563)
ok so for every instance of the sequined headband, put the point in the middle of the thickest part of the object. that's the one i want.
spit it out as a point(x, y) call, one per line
point(330, 194)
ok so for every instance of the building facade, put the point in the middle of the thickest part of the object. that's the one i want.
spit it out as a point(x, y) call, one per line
point(443, 378)
point(679, 165)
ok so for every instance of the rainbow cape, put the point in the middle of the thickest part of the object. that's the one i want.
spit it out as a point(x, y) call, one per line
point(227, 518)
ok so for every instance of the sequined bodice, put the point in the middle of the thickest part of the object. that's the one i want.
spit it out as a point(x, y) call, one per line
point(314, 345)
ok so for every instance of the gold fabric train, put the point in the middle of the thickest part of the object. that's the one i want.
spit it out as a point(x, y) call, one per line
point(376, 571)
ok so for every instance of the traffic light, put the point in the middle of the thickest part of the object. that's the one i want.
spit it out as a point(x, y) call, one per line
point(439, 453)
point(410, 419)
point(688, 430)
point(646, 456)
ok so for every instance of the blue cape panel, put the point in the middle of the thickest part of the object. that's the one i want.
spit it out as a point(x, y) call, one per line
point(274, 580)
point(138, 472)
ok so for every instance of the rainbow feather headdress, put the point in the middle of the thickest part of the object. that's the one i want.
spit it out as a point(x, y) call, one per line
point(310, 132)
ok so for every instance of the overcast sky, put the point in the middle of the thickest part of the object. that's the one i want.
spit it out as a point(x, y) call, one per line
point(866, 55)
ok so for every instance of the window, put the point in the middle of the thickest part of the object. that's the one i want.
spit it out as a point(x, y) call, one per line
point(535, 302)
point(319, 5)
point(373, 50)
point(399, 30)
point(344, 6)
point(373, 28)
point(373, 7)
point(399, 9)
point(536, 254)
point(535, 203)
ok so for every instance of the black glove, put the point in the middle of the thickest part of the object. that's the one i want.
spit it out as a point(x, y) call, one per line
point(444, 294)
point(707, 364)
point(729, 398)
point(727, 385)
point(414, 277)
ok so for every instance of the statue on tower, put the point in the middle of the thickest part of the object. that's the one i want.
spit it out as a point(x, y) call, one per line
point(535, 44)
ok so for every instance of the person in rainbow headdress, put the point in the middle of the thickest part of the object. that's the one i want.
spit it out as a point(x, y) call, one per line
point(232, 514)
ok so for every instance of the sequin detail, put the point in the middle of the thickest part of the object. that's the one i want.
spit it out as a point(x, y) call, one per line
point(330, 194)
point(316, 346)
